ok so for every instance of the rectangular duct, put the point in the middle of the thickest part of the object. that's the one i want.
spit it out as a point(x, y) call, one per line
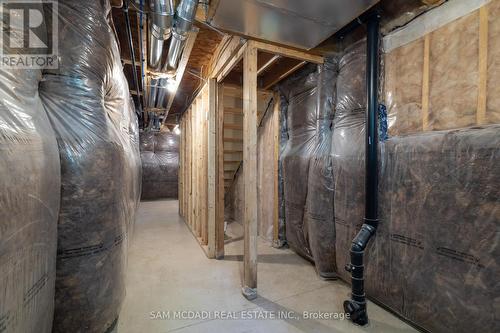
point(297, 23)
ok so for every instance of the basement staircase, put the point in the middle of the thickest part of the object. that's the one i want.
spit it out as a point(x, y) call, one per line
point(233, 128)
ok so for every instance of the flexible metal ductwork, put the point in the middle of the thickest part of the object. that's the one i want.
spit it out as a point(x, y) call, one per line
point(186, 12)
point(162, 13)
point(356, 306)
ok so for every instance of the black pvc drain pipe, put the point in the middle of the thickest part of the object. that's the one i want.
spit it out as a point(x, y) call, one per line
point(356, 306)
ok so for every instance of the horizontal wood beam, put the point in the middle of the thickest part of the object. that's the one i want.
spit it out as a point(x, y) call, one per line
point(286, 67)
point(264, 67)
point(286, 52)
point(237, 111)
point(227, 49)
point(432, 2)
point(237, 91)
point(233, 140)
point(233, 126)
point(129, 62)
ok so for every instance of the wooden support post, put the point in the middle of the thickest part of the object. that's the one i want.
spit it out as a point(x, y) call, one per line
point(483, 65)
point(212, 165)
point(276, 136)
point(204, 167)
point(194, 164)
point(180, 172)
point(425, 84)
point(249, 288)
point(199, 157)
point(219, 202)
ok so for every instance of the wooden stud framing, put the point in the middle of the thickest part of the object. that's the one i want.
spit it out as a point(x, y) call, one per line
point(181, 172)
point(425, 83)
point(286, 52)
point(227, 49)
point(232, 62)
point(268, 64)
point(483, 65)
point(250, 172)
point(212, 166)
point(205, 171)
point(219, 196)
point(290, 68)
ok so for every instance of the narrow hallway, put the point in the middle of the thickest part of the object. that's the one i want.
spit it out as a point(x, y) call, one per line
point(168, 272)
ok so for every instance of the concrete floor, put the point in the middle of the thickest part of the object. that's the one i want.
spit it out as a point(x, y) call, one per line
point(168, 272)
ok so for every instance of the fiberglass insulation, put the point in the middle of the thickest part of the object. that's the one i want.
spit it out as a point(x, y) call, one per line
point(88, 103)
point(435, 257)
point(29, 203)
point(160, 164)
point(307, 166)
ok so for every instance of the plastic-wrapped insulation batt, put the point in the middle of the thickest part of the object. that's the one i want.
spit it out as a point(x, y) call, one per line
point(29, 202)
point(348, 151)
point(160, 164)
point(131, 126)
point(300, 92)
point(307, 167)
point(435, 258)
point(87, 99)
point(281, 195)
point(319, 204)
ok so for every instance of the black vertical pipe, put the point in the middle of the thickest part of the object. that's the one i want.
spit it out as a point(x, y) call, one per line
point(132, 53)
point(371, 154)
point(356, 306)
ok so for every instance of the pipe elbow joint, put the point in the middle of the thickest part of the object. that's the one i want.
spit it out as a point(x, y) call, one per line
point(361, 240)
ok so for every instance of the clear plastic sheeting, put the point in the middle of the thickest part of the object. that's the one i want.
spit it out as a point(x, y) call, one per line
point(88, 103)
point(160, 164)
point(29, 203)
point(435, 257)
point(281, 195)
point(307, 166)
point(319, 210)
point(300, 92)
point(134, 167)
point(348, 151)
point(436, 248)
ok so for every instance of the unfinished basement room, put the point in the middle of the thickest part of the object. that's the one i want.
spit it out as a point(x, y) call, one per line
point(250, 166)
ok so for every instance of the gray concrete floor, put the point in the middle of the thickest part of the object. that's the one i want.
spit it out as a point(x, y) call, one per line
point(169, 272)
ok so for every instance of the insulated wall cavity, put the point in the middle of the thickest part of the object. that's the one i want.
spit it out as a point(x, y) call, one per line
point(348, 151)
point(160, 164)
point(88, 103)
point(307, 172)
point(29, 201)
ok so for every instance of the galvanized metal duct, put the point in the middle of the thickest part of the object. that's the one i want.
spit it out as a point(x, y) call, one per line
point(161, 30)
point(153, 91)
point(186, 12)
point(162, 89)
point(162, 13)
